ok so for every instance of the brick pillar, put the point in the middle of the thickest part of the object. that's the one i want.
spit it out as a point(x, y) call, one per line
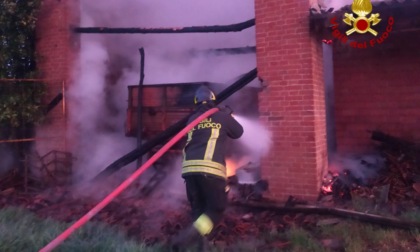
point(289, 60)
point(56, 49)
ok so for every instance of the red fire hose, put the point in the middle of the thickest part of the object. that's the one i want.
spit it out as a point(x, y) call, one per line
point(59, 239)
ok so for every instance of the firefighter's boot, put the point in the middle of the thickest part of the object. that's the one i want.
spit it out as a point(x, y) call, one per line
point(203, 244)
point(187, 238)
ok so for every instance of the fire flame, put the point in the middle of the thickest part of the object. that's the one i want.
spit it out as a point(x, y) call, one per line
point(328, 181)
point(231, 167)
point(327, 188)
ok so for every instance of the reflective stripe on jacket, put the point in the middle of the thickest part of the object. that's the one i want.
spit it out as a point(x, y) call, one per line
point(203, 166)
point(205, 149)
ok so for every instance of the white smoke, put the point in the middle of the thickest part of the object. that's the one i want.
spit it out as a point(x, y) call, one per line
point(167, 55)
point(256, 138)
point(361, 166)
point(108, 63)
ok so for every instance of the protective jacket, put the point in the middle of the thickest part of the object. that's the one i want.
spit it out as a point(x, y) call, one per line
point(205, 149)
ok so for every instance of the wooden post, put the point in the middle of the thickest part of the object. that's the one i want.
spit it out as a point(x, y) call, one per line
point(25, 167)
point(139, 105)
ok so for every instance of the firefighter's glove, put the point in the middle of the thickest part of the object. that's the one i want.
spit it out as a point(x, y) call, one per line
point(226, 109)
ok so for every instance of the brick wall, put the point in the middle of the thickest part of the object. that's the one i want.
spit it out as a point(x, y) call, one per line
point(292, 106)
point(56, 49)
point(377, 89)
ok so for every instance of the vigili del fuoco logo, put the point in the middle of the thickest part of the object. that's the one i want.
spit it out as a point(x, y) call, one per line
point(361, 21)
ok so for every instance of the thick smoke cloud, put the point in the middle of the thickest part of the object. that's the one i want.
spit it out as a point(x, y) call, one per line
point(168, 59)
point(109, 63)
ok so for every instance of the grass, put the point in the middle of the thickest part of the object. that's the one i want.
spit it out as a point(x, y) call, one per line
point(22, 231)
point(364, 237)
point(354, 237)
point(411, 215)
point(359, 236)
point(303, 240)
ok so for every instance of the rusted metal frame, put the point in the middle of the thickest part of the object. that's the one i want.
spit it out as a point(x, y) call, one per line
point(172, 130)
point(193, 29)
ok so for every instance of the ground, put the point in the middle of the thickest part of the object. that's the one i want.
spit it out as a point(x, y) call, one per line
point(151, 220)
point(157, 217)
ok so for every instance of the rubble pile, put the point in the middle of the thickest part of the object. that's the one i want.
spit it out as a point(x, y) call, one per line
point(396, 181)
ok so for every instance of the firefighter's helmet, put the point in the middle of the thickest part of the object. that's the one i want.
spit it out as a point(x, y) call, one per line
point(203, 95)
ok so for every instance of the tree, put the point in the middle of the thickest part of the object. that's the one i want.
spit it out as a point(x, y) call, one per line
point(20, 101)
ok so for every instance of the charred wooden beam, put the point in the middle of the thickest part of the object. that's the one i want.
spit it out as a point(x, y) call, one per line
point(224, 51)
point(234, 50)
point(53, 103)
point(21, 80)
point(19, 140)
point(394, 141)
point(139, 103)
point(172, 130)
point(193, 29)
point(307, 209)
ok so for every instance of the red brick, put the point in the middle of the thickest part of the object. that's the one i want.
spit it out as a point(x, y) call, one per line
point(288, 59)
point(56, 50)
point(377, 91)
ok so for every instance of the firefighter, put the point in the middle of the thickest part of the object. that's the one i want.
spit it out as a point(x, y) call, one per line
point(204, 168)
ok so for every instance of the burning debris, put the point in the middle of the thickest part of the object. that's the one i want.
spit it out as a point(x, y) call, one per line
point(348, 173)
point(247, 184)
point(393, 175)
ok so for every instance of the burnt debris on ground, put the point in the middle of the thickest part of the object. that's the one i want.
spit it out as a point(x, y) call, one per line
point(395, 174)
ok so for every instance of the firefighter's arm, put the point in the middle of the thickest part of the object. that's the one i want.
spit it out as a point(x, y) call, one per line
point(226, 109)
point(234, 128)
